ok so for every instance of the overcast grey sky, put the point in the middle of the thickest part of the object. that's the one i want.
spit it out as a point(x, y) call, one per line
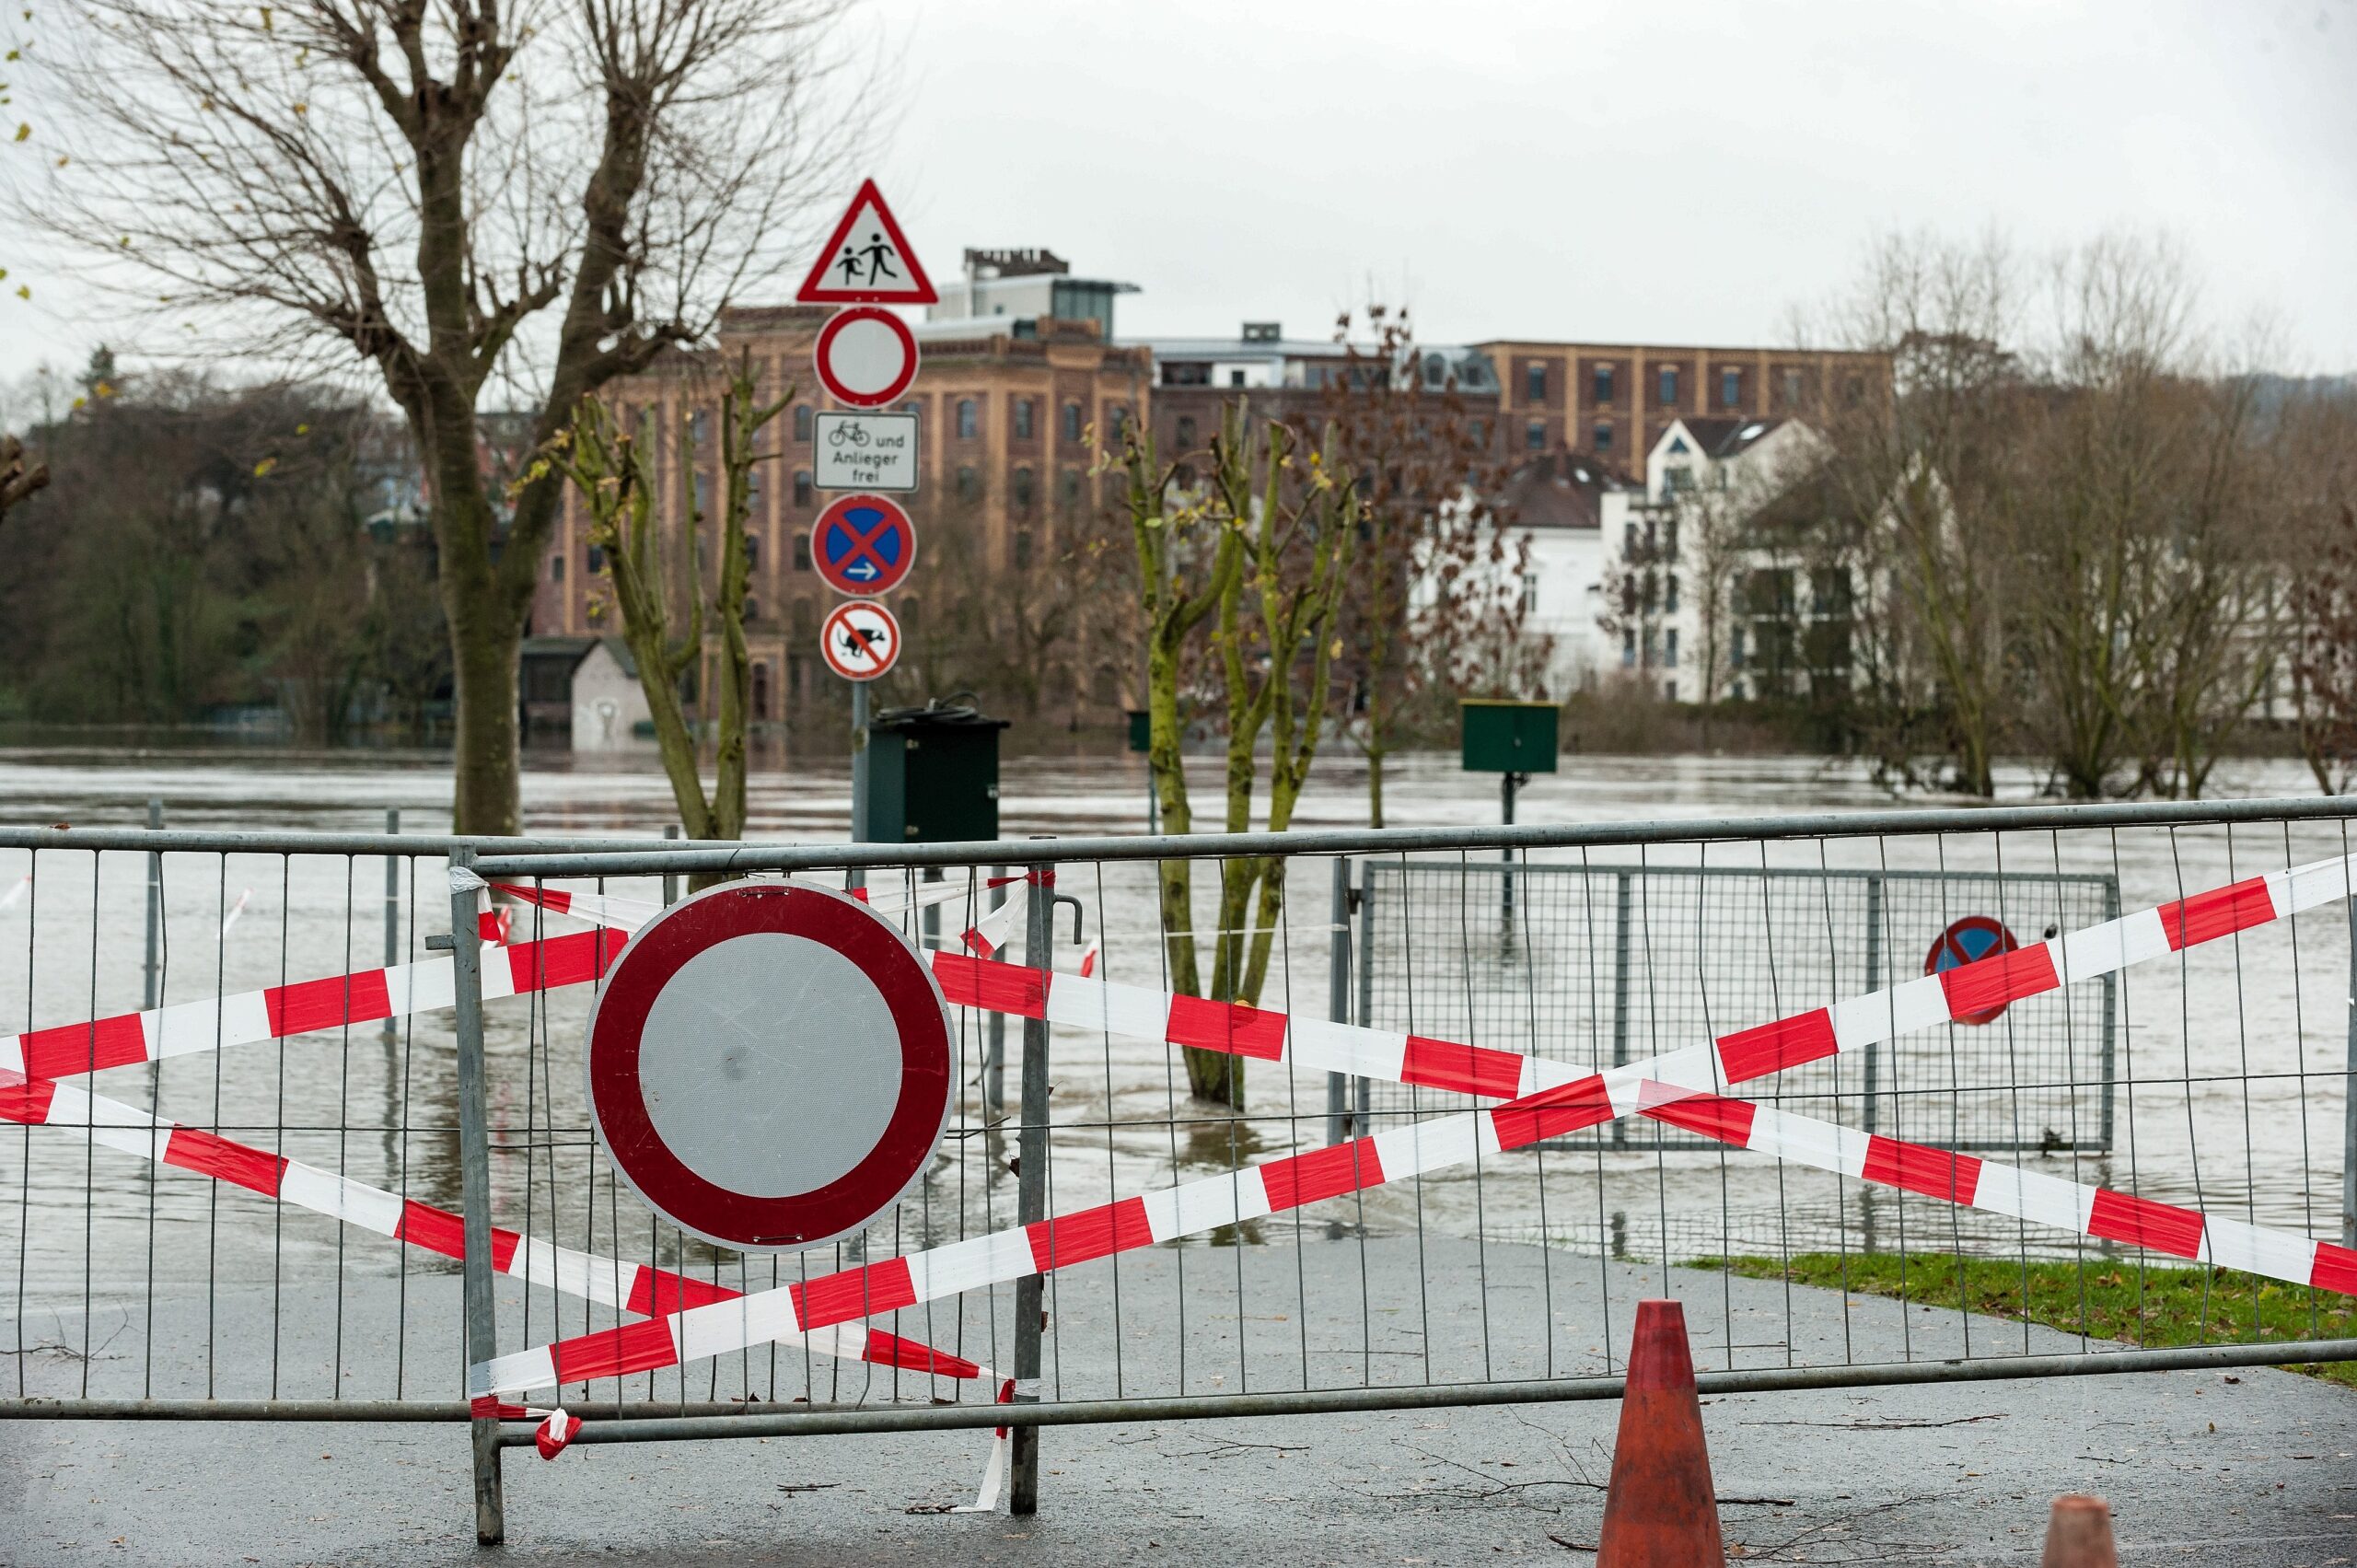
point(1562, 168)
point(1661, 172)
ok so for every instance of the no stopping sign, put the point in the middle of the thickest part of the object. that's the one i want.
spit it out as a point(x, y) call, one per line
point(768, 1067)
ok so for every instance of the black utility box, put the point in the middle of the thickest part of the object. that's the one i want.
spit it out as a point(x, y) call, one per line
point(933, 775)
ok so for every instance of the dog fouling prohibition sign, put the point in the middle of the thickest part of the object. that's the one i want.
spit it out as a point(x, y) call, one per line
point(859, 640)
point(769, 1065)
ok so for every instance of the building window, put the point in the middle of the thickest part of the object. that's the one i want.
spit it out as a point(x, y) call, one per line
point(1628, 647)
point(1792, 388)
point(700, 427)
point(1530, 593)
point(1023, 550)
point(754, 492)
point(1604, 436)
point(1669, 689)
point(802, 423)
point(968, 423)
point(1534, 384)
point(752, 610)
point(1669, 647)
point(753, 552)
point(1072, 421)
point(1235, 378)
point(1533, 435)
point(1026, 419)
point(802, 487)
point(1629, 539)
point(1480, 433)
point(703, 491)
point(970, 485)
point(761, 687)
point(1668, 386)
point(1730, 388)
point(802, 551)
point(1186, 432)
point(1735, 656)
point(1603, 383)
point(1068, 490)
point(556, 568)
point(597, 559)
point(1023, 489)
point(1671, 604)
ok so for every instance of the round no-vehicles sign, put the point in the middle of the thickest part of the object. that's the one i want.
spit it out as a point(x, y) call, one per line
point(859, 639)
point(865, 356)
point(769, 1065)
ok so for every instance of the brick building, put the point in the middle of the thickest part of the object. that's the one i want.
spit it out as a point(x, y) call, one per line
point(1613, 402)
point(1004, 404)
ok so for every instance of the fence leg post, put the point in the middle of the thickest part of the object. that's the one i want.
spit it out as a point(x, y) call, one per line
point(1338, 999)
point(2348, 1101)
point(474, 1183)
point(1869, 1120)
point(994, 1062)
point(1622, 910)
point(154, 911)
point(670, 882)
point(1031, 1192)
point(392, 912)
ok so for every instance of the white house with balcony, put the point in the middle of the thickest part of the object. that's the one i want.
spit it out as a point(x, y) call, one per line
point(1689, 600)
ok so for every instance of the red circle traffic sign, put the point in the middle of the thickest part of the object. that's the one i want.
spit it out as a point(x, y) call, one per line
point(770, 1066)
point(1967, 940)
point(865, 356)
point(863, 544)
point(860, 639)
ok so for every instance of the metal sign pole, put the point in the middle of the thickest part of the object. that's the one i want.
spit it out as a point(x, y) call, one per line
point(1031, 1192)
point(859, 773)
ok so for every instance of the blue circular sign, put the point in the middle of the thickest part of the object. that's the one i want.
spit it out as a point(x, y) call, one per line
point(863, 544)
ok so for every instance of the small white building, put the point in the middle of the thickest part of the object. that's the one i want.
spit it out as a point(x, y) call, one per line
point(587, 687)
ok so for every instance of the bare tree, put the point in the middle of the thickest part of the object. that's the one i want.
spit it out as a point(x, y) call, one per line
point(1258, 557)
point(1435, 585)
point(1919, 476)
point(464, 196)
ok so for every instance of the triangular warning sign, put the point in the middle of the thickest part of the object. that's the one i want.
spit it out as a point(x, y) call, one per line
point(867, 260)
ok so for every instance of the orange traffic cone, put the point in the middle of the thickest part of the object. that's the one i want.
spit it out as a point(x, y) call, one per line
point(1661, 1511)
point(2079, 1534)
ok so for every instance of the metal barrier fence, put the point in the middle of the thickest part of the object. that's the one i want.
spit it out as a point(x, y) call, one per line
point(1613, 961)
point(181, 1289)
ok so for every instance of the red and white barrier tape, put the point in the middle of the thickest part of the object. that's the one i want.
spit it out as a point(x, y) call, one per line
point(280, 1011)
point(632, 1287)
point(1686, 1079)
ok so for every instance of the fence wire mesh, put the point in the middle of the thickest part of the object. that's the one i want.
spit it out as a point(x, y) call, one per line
point(2215, 1079)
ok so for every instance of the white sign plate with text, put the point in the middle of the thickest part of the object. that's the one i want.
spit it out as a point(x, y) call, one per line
point(866, 451)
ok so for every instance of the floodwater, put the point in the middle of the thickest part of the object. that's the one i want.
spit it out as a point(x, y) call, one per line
point(2217, 1079)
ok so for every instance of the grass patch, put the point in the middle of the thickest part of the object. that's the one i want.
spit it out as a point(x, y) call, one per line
point(2103, 1298)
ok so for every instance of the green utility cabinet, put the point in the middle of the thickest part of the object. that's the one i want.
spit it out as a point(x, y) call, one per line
point(933, 775)
point(1503, 736)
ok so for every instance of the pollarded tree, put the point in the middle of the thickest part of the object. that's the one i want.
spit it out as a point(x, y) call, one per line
point(478, 201)
point(614, 470)
point(1255, 561)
